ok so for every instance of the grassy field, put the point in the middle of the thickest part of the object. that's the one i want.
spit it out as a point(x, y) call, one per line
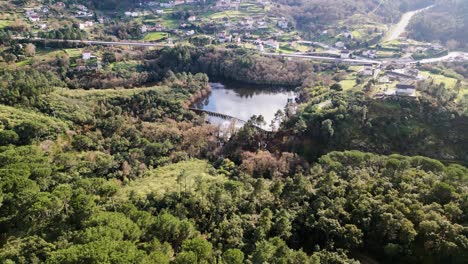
point(347, 84)
point(16, 115)
point(449, 82)
point(4, 23)
point(42, 56)
point(181, 176)
point(155, 36)
point(73, 53)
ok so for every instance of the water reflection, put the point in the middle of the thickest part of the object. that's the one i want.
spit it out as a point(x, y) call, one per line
point(243, 101)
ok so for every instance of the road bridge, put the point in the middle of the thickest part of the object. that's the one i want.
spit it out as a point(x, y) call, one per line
point(225, 117)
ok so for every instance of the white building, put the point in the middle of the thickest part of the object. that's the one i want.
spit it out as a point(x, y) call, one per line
point(260, 47)
point(167, 5)
point(283, 24)
point(132, 14)
point(144, 29)
point(86, 55)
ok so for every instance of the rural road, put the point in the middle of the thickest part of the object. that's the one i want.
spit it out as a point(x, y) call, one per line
point(399, 28)
point(98, 42)
point(456, 55)
point(146, 44)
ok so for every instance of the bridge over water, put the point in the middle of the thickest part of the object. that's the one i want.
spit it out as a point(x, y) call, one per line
point(226, 117)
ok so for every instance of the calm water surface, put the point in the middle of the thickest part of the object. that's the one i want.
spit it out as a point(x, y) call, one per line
point(243, 101)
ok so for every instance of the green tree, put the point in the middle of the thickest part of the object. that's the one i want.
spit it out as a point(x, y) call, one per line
point(8, 137)
point(233, 256)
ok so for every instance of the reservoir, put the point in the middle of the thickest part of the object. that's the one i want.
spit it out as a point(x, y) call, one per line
point(242, 101)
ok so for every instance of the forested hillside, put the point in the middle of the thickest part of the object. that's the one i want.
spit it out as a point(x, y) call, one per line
point(446, 22)
point(384, 126)
point(317, 15)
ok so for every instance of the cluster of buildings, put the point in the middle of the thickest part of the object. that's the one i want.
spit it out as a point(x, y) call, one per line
point(406, 78)
point(82, 11)
point(270, 43)
point(227, 4)
point(155, 28)
point(34, 15)
point(170, 4)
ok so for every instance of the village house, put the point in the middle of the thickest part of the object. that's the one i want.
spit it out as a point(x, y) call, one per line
point(132, 14)
point(159, 11)
point(405, 74)
point(190, 32)
point(367, 70)
point(260, 47)
point(224, 37)
point(283, 23)
point(272, 44)
point(345, 54)
point(340, 44)
point(167, 5)
point(144, 29)
point(86, 24)
point(406, 89)
point(347, 34)
point(60, 4)
point(262, 24)
point(384, 79)
point(81, 13)
point(34, 18)
point(191, 18)
point(152, 3)
point(158, 27)
point(372, 54)
point(82, 8)
point(86, 55)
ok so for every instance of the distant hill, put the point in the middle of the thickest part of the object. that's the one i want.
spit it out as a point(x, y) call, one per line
point(446, 22)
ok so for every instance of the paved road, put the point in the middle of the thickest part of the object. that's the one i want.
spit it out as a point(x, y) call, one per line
point(329, 59)
point(452, 56)
point(98, 42)
point(148, 44)
point(398, 29)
